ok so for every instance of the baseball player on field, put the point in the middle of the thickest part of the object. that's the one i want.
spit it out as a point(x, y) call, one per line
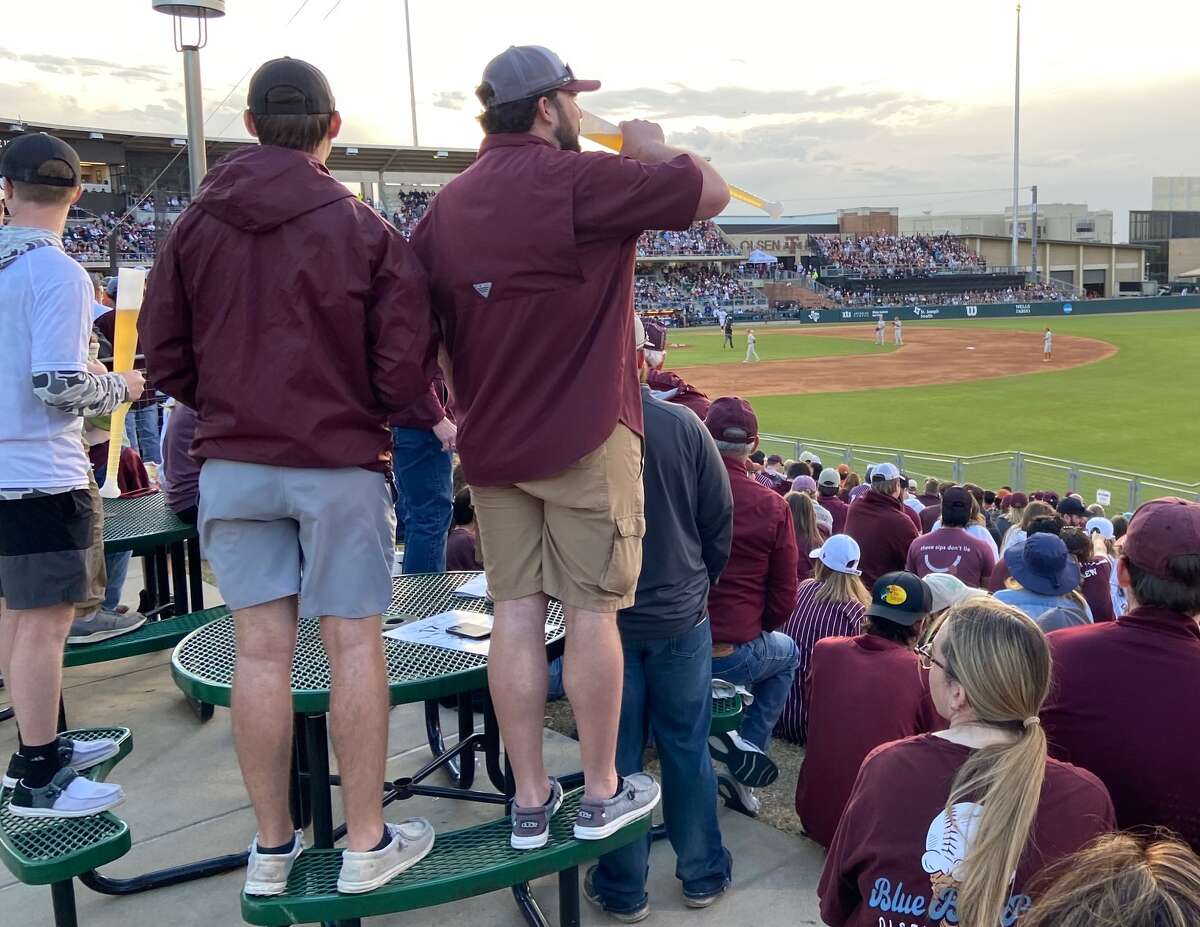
point(879, 327)
point(1047, 345)
point(897, 332)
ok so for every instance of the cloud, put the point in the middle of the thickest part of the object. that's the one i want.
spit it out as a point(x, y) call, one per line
point(32, 101)
point(736, 102)
point(88, 67)
point(449, 99)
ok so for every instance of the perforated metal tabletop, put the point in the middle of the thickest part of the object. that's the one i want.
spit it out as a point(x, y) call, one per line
point(142, 525)
point(203, 662)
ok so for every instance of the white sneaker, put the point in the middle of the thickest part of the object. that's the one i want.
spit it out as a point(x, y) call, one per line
point(68, 795)
point(362, 872)
point(744, 761)
point(267, 873)
point(738, 797)
point(78, 754)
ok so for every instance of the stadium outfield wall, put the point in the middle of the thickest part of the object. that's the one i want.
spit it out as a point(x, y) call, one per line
point(987, 310)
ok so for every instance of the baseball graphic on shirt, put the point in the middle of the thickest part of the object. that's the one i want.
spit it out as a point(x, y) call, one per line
point(947, 843)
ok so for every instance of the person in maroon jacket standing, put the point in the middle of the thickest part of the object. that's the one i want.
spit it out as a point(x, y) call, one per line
point(530, 254)
point(863, 691)
point(880, 523)
point(294, 320)
point(1126, 697)
point(753, 597)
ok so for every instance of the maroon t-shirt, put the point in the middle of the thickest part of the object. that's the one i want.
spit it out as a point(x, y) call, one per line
point(530, 254)
point(845, 674)
point(895, 855)
point(1125, 703)
point(758, 585)
point(929, 515)
point(952, 550)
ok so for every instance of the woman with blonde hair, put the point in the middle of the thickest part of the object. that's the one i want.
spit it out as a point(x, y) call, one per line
point(1122, 880)
point(1020, 529)
point(808, 532)
point(954, 826)
point(830, 604)
point(852, 479)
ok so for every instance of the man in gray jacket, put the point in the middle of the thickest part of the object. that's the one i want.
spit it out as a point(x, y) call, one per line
point(668, 658)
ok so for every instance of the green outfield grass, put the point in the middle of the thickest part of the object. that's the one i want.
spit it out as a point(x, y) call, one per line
point(1138, 410)
point(704, 346)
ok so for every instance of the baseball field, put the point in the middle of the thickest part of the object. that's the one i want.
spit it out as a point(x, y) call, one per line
point(1122, 391)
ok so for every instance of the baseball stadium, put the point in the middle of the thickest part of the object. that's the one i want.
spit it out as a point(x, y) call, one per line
point(546, 522)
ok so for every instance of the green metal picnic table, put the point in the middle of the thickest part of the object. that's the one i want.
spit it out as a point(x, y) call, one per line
point(144, 526)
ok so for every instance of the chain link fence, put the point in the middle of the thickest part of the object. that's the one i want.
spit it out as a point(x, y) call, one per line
point(1117, 490)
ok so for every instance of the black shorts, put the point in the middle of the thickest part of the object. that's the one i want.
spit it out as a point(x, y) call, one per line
point(44, 545)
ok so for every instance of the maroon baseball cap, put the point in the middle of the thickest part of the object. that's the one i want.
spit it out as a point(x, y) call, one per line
point(1162, 529)
point(656, 335)
point(1017, 500)
point(730, 418)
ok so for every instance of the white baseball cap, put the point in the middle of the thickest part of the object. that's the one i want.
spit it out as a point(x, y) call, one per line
point(1103, 525)
point(947, 590)
point(884, 471)
point(840, 553)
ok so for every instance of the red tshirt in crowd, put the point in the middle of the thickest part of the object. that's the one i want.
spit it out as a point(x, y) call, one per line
point(530, 253)
point(837, 508)
point(884, 533)
point(758, 586)
point(860, 692)
point(955, 551)
point(1125, 703)
point(895, 849)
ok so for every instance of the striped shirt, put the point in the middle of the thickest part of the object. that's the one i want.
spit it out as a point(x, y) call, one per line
point(810, 621)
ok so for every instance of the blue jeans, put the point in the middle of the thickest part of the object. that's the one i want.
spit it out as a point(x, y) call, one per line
point(424, 499)
point(765, 666)
point(117, 566)
point(141, 428)
point(667, 692)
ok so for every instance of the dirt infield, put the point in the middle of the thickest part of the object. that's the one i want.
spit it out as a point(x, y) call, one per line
point(928, 356)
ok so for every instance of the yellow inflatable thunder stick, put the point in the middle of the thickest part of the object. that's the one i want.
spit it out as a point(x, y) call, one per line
point(131, 284)
point(603, 132)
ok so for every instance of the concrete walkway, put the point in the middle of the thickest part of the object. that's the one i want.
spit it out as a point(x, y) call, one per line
point(186, 801)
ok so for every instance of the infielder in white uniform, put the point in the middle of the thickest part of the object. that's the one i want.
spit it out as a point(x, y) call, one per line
point(879, 326)
point(897, 333)
point(1047, 345)
point(751, 354)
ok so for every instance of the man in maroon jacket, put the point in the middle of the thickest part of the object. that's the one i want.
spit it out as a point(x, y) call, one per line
point(753, 597)
point(530, 254)
point(880, 523)
point(294, 320)
point(828, 484)
point(1125, 695)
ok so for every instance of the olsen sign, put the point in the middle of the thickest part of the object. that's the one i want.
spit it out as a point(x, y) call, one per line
point(785, 245)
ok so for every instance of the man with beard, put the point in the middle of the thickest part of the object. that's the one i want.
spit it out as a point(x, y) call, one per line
point(530, 256)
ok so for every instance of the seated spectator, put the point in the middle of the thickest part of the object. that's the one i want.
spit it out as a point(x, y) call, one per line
point(850, 481)
point(461, 552)
point(828, 484)
point(808, 532)
point(180, 476)
point(666, 385)
point(1073, 512)
point(1049, 524)
point(950, 549)
point(879, 522)
point(932, 512)
point(1020, 529)
point(930, 496)
point(982, 797)
point(1121, 879)
point(1044, 583)
point(861, 692)
point(753, 598)
point(702, 237)
point(830, 604)
point(1126, 698)
point(1095, 573)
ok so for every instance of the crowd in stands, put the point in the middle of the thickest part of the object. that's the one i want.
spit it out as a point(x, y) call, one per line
point(701, 238)
point(88, 240)
point(410, 206)
point(870, 297)
point(895, 256)
point(679, 286)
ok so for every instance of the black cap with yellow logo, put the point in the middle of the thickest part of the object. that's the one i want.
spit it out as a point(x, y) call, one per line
point(900, 597)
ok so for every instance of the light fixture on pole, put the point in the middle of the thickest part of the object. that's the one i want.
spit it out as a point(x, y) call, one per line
point(412, 87)
point(190, 37)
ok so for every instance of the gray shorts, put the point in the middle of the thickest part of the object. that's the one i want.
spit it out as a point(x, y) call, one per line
point(271, 532)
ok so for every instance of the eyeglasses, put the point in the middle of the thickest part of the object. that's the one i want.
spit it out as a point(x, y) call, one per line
point(928, 660)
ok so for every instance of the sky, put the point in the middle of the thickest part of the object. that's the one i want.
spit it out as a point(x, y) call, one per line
point(820, 106)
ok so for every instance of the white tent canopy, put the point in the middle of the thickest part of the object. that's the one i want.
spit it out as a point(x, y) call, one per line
point(761, 257)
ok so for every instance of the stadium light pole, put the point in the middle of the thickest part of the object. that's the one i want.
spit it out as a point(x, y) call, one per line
point(412, 87)
point(201, 11)
point(1016, 139)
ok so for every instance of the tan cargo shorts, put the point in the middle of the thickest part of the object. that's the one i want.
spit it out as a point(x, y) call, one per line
point(575, 536)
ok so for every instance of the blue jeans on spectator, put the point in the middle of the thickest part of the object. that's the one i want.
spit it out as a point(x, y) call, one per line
point(117, 566)
point(765, 666)
point(425, 501)
point(141, 428)
point(668, 692)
